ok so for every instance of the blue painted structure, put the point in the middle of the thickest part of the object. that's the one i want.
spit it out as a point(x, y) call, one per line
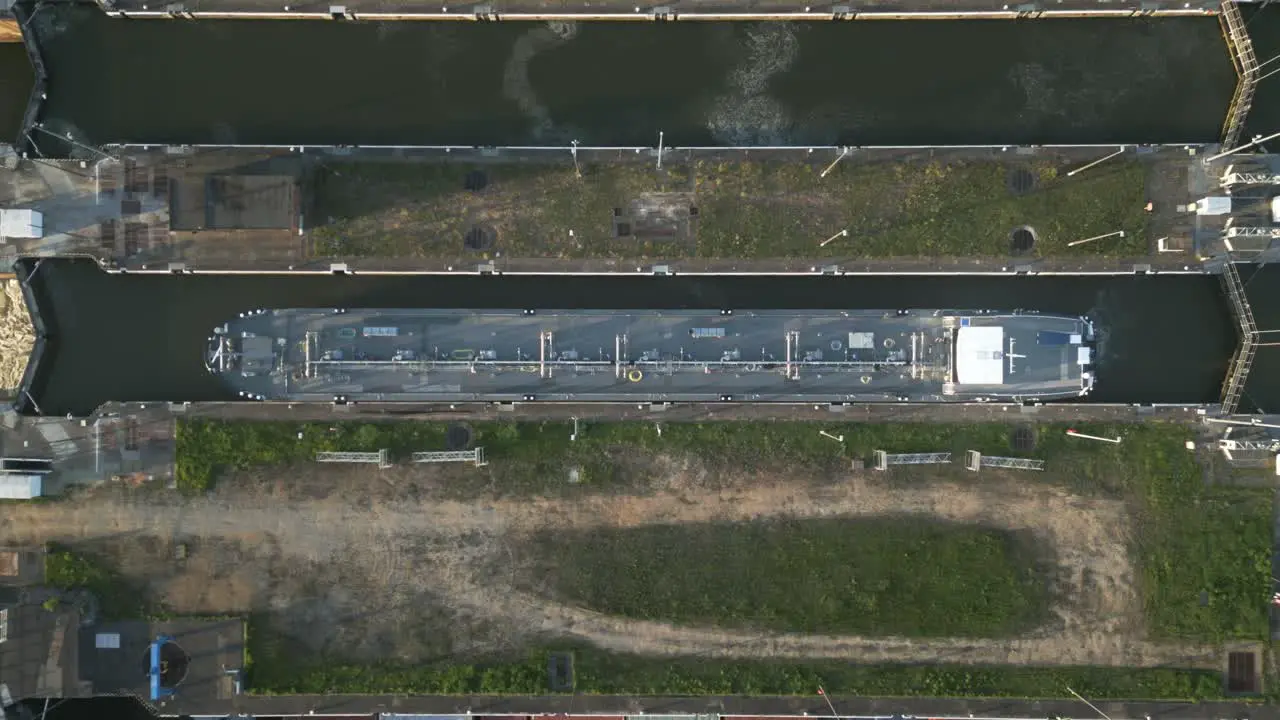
point(157, 690)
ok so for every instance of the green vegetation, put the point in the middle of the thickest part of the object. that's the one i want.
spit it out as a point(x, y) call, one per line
point(1203, 550)
point(536, 456)
point(533, 457)
point(206, 448)
point(601, 672)
point(745, 209)
point(908, 575)
point(68, 570)
point(1189, 538)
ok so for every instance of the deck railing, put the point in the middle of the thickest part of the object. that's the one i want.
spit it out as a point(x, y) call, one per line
point(1243, 359)
point(1240, 47)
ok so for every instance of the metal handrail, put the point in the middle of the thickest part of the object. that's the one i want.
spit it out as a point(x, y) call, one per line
point(1240, 47)
point(1243, 358)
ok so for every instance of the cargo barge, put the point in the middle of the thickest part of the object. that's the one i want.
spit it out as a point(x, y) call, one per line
point(345, 355)
point(339, 355)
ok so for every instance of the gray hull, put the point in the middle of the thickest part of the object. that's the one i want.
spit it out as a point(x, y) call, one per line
point(652, 356)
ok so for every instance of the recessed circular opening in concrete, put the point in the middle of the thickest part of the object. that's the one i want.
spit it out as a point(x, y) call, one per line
point(480, 238)
point(1022, 240)
point(476, 180)
point(1021, 181)
point(1023, 438)
point(174, 663)
point(458, 436)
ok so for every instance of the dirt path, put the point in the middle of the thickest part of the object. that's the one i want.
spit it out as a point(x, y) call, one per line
point(450, 548)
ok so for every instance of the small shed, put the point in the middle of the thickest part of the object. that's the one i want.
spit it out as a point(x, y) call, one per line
point(21, 487)
point(21, 224)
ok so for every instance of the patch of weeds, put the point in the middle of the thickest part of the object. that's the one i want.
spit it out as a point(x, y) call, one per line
point(69, 570)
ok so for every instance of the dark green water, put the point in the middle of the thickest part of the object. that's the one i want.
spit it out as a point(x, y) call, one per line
point(1264, 29)
point(927, 83)
point(914, 83)
point(1165, 339)
point(16, 79)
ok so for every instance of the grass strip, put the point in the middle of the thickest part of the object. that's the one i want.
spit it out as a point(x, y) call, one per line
point(598, 672)
point(910, 576)
point(747, 210)
point(1203, 551)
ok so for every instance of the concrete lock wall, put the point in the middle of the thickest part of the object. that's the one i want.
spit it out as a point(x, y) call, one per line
point(673, 11)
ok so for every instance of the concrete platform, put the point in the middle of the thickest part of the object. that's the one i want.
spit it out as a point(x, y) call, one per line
point(114, 658)
point(676, 9)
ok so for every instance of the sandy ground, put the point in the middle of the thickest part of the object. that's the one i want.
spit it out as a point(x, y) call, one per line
point(17, 335)
point(385, 565)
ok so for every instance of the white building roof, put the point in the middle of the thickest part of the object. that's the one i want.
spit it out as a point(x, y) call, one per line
point(20, 487)
point(980, 355)
point(1218, 205)
point(21, 224)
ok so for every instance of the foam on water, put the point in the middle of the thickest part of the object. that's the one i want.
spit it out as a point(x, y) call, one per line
point(747, 114)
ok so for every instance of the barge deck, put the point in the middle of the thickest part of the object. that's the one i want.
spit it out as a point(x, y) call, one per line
point(405, 355)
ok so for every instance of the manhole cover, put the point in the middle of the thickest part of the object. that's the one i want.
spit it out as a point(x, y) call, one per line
point(1024, 438)
point(476, 180)
point(1022, 240)
point(1021, 181)
point(458, 437)
point(480, 238)
point(174, 662)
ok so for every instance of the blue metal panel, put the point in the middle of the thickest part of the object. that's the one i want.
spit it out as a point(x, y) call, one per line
point(157, 691)
point(1050, 337)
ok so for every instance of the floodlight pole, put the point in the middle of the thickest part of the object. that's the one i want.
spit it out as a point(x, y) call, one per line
point(842, 233)
point(837, 438)
point(826, 697)
point(42, 5)
point(1114, 441)
point(1264, 77)
point(68, 138)
point(660, 144)
point(1074, 243)
point(1224, 421)
point(843, 151)
point(1086, 702)
point(1099, 161)
point(573, 149)
point(1233, 151)
point(1267, 62)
